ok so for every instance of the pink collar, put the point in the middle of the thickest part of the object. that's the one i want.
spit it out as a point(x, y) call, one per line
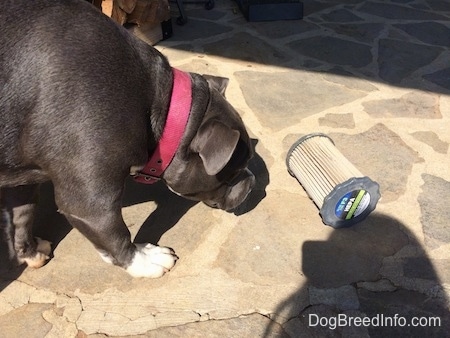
point(177, 117)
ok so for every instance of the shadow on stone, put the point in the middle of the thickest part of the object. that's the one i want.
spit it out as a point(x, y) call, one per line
point(170, 208)
point(365, 39)
point(375, 270)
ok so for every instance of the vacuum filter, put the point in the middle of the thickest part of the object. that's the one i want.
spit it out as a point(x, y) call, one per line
point(343, 195)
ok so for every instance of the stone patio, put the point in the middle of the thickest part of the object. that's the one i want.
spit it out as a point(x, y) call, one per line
point(375, 77)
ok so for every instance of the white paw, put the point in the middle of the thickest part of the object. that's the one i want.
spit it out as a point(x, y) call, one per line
point(42, 254)
point(151, 261)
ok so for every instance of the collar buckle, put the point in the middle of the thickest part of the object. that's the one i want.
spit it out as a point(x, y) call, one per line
point(146, 178)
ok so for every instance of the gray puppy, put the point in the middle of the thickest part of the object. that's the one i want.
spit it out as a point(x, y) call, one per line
point(84, 104)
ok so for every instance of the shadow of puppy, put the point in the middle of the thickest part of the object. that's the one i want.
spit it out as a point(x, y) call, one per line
point(170, 209)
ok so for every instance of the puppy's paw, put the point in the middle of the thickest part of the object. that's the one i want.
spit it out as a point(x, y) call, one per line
point(44, 246)
point(151, 261)
point(43, 250)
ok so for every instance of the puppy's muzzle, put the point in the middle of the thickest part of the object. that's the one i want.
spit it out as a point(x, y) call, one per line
point(239, 188)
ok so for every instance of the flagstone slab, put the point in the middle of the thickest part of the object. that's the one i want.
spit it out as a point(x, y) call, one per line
point(282, 29)
point(382, 155)
point(398, 59)
point(308, 93)
point(413, 105)
point(434, 201)
point(439, 77)
point(433, 33)
point(25, 320)
point(364, 32)
point(433, 140)
point(334, 51)
point(394, 11)
point(338, 121)
point(244, 47)
point(244, 326)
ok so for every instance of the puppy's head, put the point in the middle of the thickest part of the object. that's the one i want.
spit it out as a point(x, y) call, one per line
point(213, 167)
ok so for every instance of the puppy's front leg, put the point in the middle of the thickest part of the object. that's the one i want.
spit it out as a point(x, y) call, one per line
point(112, 240)
point(94, 207)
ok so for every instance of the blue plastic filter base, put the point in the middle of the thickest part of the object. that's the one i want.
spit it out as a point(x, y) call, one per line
point(350, 202)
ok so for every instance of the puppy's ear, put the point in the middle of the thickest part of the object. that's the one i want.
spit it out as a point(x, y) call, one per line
point(216, 82)
point(215, 143)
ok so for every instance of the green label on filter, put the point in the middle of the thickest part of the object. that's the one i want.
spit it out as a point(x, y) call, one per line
point(352, 204)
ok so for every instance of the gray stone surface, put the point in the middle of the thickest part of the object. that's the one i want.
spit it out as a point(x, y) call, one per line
point(247, 48)
point(334, 50)
point(26, 321)
point(398, 59)
point(379, 285)
point(394, 11)
point(440, 78)
point(432, 33)
point(308, 94)
point(199, 27)
point(434, 201)
point(341, 15)
point(338, 121)
point(331, 263)
point(245, 326)
point(343, 298)
point(432, 139)
point(406, 305)
point(372, 75)
point(378, 143)
point(280, 29)
point(364, 32)
point(414, 104)
point(309, 324)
